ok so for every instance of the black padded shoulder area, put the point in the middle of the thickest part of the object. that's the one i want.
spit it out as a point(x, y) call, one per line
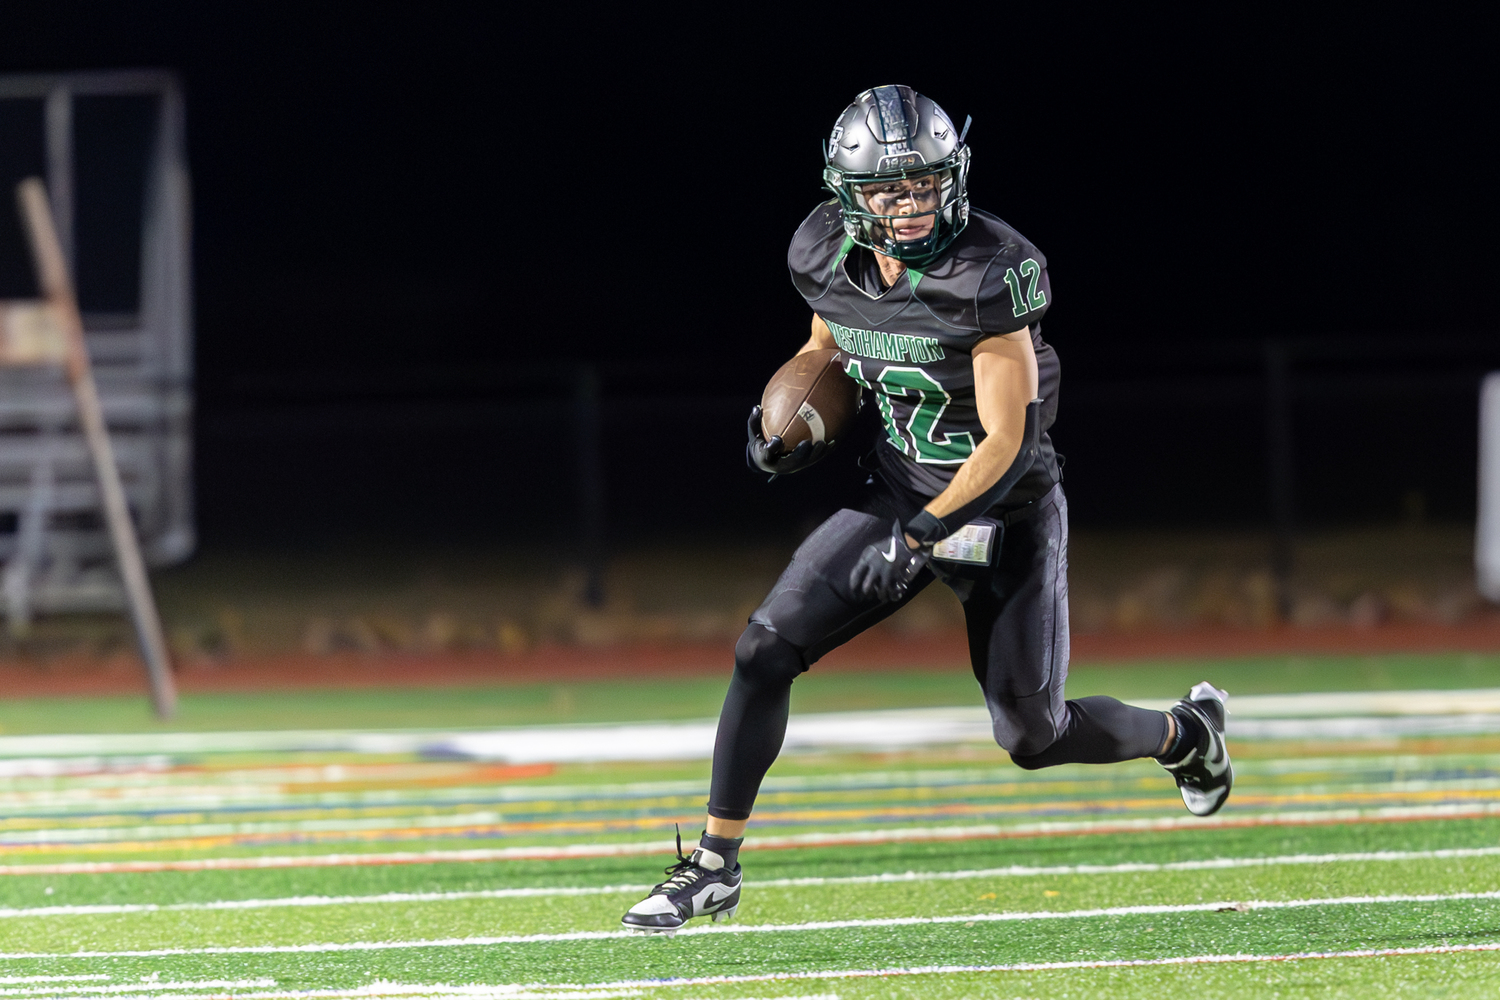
point(968, 286)
point(814, 250)
point(992, 280)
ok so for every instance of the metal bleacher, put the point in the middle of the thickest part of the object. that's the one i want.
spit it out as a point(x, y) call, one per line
point(54, 546)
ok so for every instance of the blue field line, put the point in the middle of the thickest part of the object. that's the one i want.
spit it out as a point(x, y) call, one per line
point(642, 806)
point(501, 829)
point(770, 806)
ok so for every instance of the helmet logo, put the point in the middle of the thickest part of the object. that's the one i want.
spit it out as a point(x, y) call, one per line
point(833, 141)
point(900, 161)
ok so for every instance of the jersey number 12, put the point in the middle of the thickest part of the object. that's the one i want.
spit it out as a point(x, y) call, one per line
point(1030, 298)
point(917, 436)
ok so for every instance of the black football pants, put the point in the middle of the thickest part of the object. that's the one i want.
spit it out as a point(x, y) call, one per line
point(1016, 613)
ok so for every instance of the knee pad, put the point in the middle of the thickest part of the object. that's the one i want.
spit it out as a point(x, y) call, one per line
point(765, 659)
point(1029, 762)
point(1023, 728)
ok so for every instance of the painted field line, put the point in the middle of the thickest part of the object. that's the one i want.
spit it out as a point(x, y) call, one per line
point(890, 878)
point(494, 826)
point(816, 925)
point(851, 838)
point(601, 991)
point(472, 991)
point(154, 986)
point(377, 990)
point(938, 970)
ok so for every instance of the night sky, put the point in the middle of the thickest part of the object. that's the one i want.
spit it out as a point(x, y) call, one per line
point(408, 211)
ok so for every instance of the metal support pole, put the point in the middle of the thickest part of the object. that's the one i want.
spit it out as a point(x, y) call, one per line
point(590, 482)
point(57, 285)
point(1487, 535)
point(1281, 470)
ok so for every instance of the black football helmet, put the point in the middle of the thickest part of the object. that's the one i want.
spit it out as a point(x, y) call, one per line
point(893, 133)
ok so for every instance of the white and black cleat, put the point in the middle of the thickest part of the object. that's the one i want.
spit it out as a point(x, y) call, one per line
point(1205, 775)
point(697, 886)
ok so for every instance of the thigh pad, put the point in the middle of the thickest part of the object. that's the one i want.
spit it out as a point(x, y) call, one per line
point(812, 601)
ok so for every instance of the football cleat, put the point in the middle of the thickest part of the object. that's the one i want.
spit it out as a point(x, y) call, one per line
point(1205, 775)
point(696, 886)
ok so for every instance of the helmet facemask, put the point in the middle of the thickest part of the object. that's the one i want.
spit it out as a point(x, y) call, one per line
point(876, 211)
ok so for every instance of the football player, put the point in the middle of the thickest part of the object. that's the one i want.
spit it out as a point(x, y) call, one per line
point(936, 308)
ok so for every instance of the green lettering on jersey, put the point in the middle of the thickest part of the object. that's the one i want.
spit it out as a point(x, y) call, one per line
point(1032, 271)
point(1018, 303)
point(918, 437)
point(1027, 299)
point(886, 346)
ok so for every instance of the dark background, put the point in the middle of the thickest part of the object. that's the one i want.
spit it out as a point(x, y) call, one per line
point(412, 228)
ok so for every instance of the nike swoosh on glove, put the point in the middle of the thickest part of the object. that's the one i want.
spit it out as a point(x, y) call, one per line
point(886, 569)
point(771, 456)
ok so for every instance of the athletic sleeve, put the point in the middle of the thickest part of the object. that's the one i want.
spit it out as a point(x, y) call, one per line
point(1015, 292)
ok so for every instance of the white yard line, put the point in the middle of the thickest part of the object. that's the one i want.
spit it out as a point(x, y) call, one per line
point(377, 990)
point(819, 925)
point(1012, 871)
point(630, 987)
point(1119, 963)
point(440, 991)
point(1328, 714)
point(987, 831)
point(152, 986)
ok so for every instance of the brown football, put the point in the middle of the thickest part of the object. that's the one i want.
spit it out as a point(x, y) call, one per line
point(809, 399)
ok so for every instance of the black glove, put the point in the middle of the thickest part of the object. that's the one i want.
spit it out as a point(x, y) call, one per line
point(771, 456)
point(887, 568)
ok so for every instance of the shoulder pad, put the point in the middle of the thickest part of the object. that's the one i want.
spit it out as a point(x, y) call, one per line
point(816, 248)
point(967, 287)
point(1014, 290)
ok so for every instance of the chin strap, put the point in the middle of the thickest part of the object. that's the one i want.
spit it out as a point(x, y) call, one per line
point(929, 530)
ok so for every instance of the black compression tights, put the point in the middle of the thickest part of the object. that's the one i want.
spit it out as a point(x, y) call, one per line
point(752, 724)
point(1101, 730)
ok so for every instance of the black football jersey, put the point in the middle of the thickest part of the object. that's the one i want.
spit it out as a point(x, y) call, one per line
point(910, 343)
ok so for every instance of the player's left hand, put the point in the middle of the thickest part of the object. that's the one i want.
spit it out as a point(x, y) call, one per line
point(772, 456)
point(886, 569)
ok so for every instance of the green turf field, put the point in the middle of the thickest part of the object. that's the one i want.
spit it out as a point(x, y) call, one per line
point(1341, 868)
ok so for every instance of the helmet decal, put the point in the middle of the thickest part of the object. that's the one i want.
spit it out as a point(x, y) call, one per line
point(889, 122)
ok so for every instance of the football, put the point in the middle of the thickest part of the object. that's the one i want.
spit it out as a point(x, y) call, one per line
point(809, 399)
